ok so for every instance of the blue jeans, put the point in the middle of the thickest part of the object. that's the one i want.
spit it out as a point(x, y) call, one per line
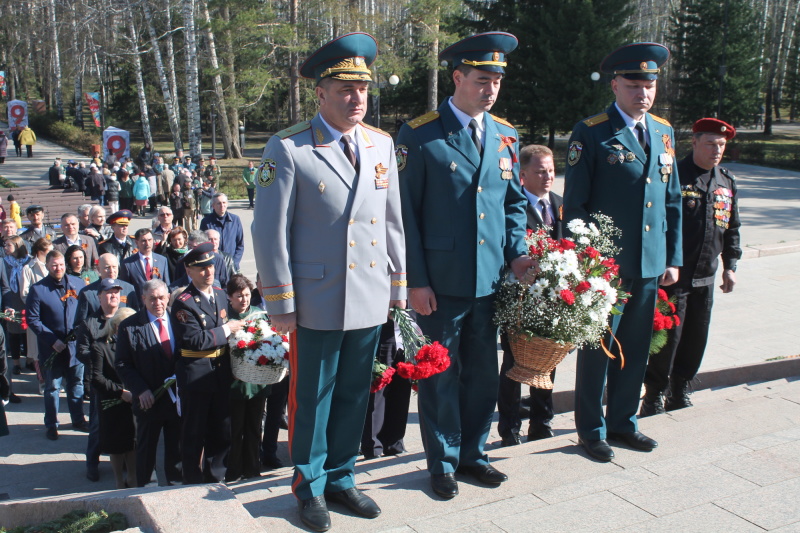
point(74, 388)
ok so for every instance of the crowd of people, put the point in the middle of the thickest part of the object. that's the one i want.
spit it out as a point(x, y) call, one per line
point(441, 220)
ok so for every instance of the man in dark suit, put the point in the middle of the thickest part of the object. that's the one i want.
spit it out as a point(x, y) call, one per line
point(622, 163)
point(50, 306)
point(537, 173)
point(70, 227)
point(120, 244)
point(200, 319)
point(144, 265)
point(88, 303)
point(146, 355)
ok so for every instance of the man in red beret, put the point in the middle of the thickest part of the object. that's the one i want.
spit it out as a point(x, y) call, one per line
point(710, 229)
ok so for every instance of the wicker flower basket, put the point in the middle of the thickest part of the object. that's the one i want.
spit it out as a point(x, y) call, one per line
point(257, 375)
point(534, 359)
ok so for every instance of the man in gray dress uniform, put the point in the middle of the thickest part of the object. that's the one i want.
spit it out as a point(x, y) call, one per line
point(331, 257)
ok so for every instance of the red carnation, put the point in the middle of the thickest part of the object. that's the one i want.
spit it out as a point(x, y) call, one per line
point(284, 338)
point(671, 306)
point(567, 296)
point(662, 295)
point(382, 381)
point(566, 244)
point(591, 252)
point(582, 287)
point(253, 345)
point(262, 360)
point(241, 345)
point(251, 329)
point(677, 320)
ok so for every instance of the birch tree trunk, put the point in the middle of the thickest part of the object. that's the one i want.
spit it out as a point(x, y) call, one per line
point(294, 66)
point(433, 72)
point(233, 96)
point(81, 66)
point(192, 89)
point(174, 126)
point(219, 94)
point(137, 65)
point(56, 61)
point(173, 81)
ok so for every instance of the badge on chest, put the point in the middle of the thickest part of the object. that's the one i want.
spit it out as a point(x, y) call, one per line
point(506, 168)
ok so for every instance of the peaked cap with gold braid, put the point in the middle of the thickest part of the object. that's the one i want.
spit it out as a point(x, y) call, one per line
point(484, 51)
point(345, 58)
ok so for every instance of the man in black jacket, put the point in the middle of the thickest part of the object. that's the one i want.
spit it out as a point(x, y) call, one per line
point(147, 349)
point(710, 229)
point(537, 173)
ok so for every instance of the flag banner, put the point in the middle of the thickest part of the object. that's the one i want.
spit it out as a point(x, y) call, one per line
point(93, 99)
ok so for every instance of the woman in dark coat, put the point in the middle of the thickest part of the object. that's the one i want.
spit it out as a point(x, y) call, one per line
point(117, 432)
point(247, 401)
point(174, 249)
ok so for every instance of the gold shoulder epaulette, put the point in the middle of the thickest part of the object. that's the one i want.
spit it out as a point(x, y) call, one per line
point(376, 130)
point(595, 120)
point(293, 130)
point(502, 121)
point(661, 120)
point(424, 119)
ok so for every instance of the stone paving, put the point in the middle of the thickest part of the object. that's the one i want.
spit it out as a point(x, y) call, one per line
point(728, 464)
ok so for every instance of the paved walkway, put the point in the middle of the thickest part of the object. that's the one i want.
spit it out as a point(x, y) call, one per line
point(729, 464)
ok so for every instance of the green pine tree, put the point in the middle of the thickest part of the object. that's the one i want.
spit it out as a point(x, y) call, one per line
point(703, 42)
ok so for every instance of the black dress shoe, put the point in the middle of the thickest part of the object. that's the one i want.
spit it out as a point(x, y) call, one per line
point(539, 433)
point(284, 422)
point(484, 473)
point(356, 501)
point(271, 462)
point(92, 474)
point(444, 485)
point(83, 427)
point(52, 433)
point(599, 449)
point(510, 440)
point(634, 439)
point(17, 370)
point(13, 398)
point(314, 513)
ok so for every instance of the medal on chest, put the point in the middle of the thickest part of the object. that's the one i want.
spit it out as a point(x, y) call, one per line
point(506, 167)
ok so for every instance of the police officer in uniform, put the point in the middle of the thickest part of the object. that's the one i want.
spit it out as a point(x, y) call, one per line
point(200, 320)
point(710, 229)
point(329, 197)
point(37, 229)
point(621, 163)
point(120, 243)
point(464, 217)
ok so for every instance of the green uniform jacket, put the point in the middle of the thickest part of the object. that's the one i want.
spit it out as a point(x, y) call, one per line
point(464, 216)
point(609, 173)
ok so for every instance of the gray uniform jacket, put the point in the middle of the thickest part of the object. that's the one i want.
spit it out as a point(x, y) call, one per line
point(329, 245)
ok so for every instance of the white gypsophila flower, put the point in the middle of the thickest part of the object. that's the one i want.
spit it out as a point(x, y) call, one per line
point(584, 240)
point(577, 226)
point(593, 229)
point(593, 316)
point(555, 321)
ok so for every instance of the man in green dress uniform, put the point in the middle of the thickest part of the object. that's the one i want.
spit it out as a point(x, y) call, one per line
point(331, 266)
point(464, 218)
point(622, 163)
